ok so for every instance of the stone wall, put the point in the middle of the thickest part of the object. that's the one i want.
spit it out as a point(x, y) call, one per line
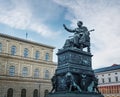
point(17, 81)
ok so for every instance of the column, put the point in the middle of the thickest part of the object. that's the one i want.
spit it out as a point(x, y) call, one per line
point(31, 71)
point(7, 46)
point(20, 49)
point(5, 72)
point(19, 69)
point(107, 89)
point(32, 56)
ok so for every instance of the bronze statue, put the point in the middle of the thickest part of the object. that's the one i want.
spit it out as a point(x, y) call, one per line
point(54, 83)
point(74, 76)
point(95, 87)
point(80, 39)
point(70, 83)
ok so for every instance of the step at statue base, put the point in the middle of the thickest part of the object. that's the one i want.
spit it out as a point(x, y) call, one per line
point(74, 94)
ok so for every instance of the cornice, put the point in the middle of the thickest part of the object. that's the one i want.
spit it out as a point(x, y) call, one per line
point(25, 40)
point(28, 59)
point(24, 79)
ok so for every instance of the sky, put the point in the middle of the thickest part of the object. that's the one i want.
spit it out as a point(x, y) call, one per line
point(43, 21)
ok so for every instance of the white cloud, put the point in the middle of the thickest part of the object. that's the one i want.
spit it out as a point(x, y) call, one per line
point(20, 15)
point(43, 30)
point(17, 18)
point(103, 16)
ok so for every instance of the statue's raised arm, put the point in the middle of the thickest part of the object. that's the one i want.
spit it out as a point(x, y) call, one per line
point(69, 30)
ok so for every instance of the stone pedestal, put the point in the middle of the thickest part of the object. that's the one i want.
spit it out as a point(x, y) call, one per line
point(74, 60)
point(74, 94)
point(74, 74)
point(76, 64)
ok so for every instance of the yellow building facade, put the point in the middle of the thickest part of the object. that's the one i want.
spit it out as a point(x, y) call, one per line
point(26, 67)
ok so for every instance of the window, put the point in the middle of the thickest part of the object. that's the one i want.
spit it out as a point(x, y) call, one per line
point(98, 80)
point(116, 79)
point(0, 47)
point(47, 57)
point(37, 55)
point(35, 93)
point(10, 92)
point(1, 68)
point(25, 71)
point(23, 93)
point(36, 73)
point(109, 79)
point(45, 93)
point(103, 80)
point(13, 50)
point(47, 74)
point(12, 70)
point(26, 52)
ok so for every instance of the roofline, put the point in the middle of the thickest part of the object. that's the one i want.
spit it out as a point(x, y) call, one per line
point(25, 40)
point(105, 69)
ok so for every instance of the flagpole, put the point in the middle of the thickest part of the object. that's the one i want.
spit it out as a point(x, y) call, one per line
point(26, 35)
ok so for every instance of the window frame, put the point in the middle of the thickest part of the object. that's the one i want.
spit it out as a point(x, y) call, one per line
point(47, 74)
point(116, 78)
point(35, 93)
point(12, 71)
point(47, 57)
point(23, 93)
point(109, 79)
point(13, 50)
point(0, 47)
point(26, 52)
point(36, 73)
point(46, 92)
point(37, 55)
point(10, 92)
point(25, 71)
point(103, 80)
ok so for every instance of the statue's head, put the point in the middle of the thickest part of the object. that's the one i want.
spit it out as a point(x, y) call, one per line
point(68, 74)
point(79, 23)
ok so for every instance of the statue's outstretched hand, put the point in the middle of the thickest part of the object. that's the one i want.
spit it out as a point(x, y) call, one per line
point(64, 26)
point(92, 30)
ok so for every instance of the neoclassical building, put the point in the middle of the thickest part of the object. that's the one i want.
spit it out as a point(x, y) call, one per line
point(109, 80)
point(26, 67)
